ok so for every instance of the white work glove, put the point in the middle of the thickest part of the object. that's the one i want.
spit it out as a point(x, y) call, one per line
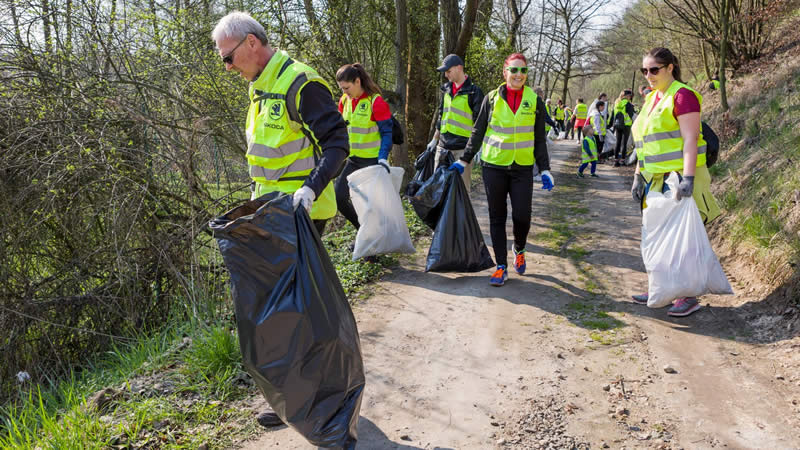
point(304, 196)
point(548, 182)
point(385, 165)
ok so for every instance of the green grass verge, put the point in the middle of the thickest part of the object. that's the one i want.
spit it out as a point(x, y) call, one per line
point(169, 390)
point(760, 195)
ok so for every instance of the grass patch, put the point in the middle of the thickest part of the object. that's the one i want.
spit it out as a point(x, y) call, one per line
point(160, 392)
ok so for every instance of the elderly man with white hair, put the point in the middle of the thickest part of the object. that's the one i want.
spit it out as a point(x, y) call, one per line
point(296, 138)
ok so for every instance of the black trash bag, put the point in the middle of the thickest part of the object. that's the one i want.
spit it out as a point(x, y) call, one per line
point(297, 333)
point(424, 166)
point(457, 244)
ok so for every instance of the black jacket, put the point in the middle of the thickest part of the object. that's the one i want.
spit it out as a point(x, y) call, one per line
point(618, 120)
point(540, 154)
point(321, 114)
point(451, 141)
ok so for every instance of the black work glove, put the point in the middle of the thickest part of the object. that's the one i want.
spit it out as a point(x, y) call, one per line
point(686, 188)
point(637, 190)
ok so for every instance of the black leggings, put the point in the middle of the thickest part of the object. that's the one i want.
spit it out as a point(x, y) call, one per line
point(500, 183)
point(560, 124)
point(621, 150)
point(343, 203)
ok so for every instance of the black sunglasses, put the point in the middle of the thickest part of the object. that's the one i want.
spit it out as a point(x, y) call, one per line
point(653, 70)
point(515, 69)
point(228, 59)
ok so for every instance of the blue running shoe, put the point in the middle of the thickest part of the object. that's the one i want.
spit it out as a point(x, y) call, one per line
point(519, 260)
point(499, 277)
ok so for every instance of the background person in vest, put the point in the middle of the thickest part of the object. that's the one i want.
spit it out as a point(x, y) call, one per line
point(570, 126)
point(280, 153)
point(623, 113)
point(714, 83)
point(668, 138)
point(510, 127)
point(580, 115)
point(458, 110)
point(589, 151)
point(369, 126)
point(560, 116)
point(549, 123)
point(598, 125)
point(593, 107)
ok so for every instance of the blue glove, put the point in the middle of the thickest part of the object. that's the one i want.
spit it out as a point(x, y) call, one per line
point(547, 181)
point(458, 165)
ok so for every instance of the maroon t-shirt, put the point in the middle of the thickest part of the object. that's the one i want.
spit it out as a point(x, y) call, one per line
point(685, 102)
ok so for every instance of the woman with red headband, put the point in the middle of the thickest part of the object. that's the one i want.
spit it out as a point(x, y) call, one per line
point(511, 129)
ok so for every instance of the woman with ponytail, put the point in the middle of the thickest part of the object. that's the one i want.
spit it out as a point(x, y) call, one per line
point(668, 138)
point(369, 125)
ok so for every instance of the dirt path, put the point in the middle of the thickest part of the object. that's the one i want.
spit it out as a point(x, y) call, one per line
point(559, 357)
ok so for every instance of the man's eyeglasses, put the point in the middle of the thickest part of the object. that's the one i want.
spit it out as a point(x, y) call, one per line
point(228, 59)
point(515, 69)
point(653, 70)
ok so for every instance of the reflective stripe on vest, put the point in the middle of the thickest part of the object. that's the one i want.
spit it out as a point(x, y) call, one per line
point(456, 115)
point(510, 137)
point(280, 151)
point(365, 138)
point(581, 110)
point(619, 108)
point(585, 157)
point(657, 134)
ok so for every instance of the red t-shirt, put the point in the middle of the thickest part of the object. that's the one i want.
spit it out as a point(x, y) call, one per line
point(380, 109)
point(456, 87)
point(514, 98)
point(685, 102)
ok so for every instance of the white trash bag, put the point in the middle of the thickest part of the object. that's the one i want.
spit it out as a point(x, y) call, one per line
point(611, 141)
point(562, 135)
point(551, 134)
point(380, 212)
point(397, 177)
point(677, 254)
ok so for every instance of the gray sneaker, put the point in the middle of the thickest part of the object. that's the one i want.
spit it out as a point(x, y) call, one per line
point(684, 306)
point(640, 299)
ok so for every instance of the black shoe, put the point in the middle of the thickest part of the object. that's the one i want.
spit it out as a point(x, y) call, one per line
point(370, 259)
point(269, 419)
point(580, 175)
point(617, 164)
point(595, 175)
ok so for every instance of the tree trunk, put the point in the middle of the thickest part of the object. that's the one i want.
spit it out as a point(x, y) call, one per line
point(723, 50)
point(48, 40)
point(15, 19)
point(154, 20)
point(482, 20)
point(68, 20)
point(400, 155)
point(705, 59)
point(468, 27)
point(451, 25)
point(421, 92)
